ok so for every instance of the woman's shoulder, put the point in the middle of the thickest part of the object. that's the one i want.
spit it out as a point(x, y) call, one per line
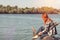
point(48, 22)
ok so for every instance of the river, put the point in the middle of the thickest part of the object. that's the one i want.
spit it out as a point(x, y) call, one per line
point(19, 26)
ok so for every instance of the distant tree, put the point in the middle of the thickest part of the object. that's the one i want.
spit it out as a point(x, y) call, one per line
point(1, 6)
point(8, 7)
point(26, 8)
point(16, 7)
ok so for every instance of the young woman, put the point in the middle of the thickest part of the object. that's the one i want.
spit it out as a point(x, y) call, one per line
point(49, 27)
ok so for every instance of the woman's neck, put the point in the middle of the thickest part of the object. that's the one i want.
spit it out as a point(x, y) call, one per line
point(47, 20)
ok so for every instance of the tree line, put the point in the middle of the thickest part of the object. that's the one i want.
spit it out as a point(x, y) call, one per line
point(16, 10)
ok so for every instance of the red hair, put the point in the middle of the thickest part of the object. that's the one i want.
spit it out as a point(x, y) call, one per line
point(45, 17)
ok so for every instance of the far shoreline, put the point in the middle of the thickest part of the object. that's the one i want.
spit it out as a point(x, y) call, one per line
point(17, 10)
point(22, 13)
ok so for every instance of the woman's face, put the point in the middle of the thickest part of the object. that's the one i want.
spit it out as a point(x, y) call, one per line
point(44, 17)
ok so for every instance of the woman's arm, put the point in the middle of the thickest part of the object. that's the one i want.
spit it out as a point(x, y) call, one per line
point(45, 30)
point(54, 25)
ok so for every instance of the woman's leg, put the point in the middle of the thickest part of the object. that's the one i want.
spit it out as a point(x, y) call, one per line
point(40, 29)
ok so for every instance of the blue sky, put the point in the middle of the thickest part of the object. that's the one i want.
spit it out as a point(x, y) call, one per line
point(32, 3)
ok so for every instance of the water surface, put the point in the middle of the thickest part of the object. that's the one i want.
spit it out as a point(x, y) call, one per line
point(18, 26)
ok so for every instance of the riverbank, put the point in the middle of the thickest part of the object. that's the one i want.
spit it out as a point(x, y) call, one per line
point(17, 10)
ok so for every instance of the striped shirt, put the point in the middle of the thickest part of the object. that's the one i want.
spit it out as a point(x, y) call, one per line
point(50, 28)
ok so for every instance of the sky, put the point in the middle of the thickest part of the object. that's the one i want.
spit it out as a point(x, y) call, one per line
point(32, 3)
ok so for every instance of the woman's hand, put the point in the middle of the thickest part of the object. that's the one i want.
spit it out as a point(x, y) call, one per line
point(40, 33)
